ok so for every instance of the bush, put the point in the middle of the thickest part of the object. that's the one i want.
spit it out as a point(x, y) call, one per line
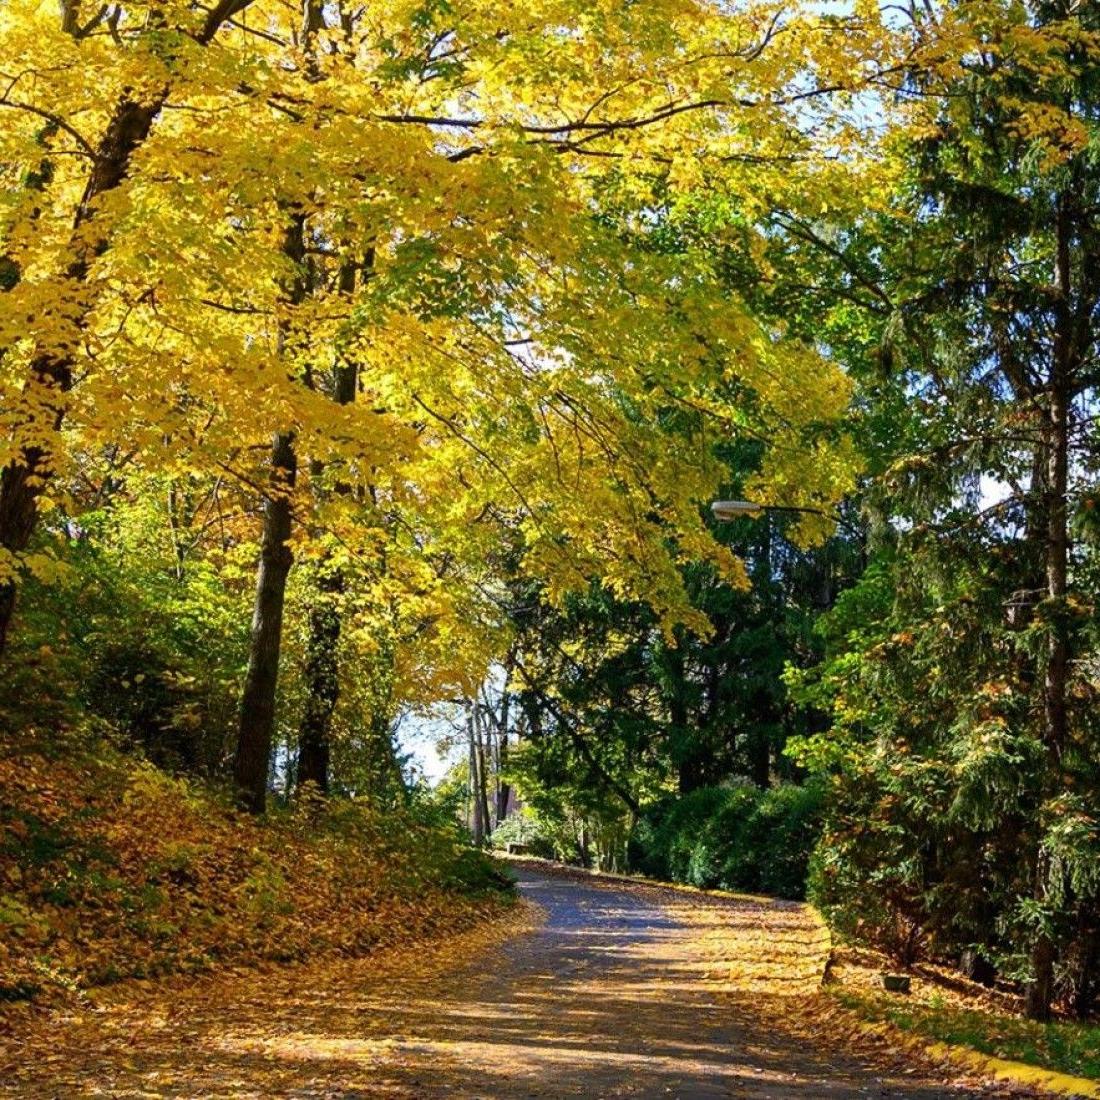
point(732, 838)
point(872, 868)
point(524, 828)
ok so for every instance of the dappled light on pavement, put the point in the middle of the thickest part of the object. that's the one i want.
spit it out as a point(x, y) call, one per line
point(607, 989)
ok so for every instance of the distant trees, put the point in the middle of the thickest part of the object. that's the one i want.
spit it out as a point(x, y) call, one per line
point(620, 716)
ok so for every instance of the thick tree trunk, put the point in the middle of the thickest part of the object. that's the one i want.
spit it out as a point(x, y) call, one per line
point(23, 481)
point(504, 790)
point(483, 787)
point(1040, 990)
point(20, 486)
point(257, 717)
point(257, 712)
point(257, 721)
point(1086, 982)
point(760, 758)
point(689, 771)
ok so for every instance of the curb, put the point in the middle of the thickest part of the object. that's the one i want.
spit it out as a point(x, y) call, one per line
point(1017, 1073)
point(987, 1066)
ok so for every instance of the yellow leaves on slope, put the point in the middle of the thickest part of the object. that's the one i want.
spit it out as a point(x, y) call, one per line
point(147, 875)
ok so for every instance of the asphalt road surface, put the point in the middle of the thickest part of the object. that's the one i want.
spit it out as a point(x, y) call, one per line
point(614, 991)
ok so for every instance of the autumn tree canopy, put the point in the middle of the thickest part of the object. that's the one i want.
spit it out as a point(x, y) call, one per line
point(472, 196)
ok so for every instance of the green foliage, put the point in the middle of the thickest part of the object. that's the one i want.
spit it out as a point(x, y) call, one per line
point(472, 872)
point(618, 713)
point(578, 818)
point(122, 636)
point(932, 759)
point(960, 814)
point(732, 838)
point(524, 827)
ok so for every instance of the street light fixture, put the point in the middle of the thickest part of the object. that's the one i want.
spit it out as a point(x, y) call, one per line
point(725, 511)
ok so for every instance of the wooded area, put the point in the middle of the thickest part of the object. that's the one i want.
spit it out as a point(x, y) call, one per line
point(363, 365)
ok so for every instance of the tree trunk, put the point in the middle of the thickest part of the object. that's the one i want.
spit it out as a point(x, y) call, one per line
point(23, 481)
point(21, 484)
point(257, 718)
point(322, 683)
point(478, 821)
point(759, 749)
point(1055, 720)
point(1040, 990)
point(503, 790)
point(257, 714)
point(688, 770)
point(1088, 963)
point(258, 698)
point(322, 665)
point(482, 789)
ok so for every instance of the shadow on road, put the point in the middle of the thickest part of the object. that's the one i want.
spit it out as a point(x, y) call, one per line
point(622, 991)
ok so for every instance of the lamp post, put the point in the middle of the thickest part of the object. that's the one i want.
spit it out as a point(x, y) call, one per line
point(727, 510)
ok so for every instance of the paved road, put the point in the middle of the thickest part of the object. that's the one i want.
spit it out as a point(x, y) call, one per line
point(627, 992)
point(620, 992)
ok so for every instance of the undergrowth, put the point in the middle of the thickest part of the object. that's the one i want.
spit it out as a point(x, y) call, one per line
point(112, 869)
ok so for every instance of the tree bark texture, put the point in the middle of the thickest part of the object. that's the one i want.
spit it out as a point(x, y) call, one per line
point(257, 716)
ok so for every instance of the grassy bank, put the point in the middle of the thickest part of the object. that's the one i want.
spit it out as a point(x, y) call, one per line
point(111, 869)
point(941, 1007)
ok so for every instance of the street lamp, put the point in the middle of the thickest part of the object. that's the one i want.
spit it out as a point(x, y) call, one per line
point(725, 511)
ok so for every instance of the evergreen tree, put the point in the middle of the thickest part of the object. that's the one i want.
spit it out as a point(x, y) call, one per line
point(960, 676)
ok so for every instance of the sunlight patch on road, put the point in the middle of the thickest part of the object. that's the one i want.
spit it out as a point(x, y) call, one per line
point(539, 1056)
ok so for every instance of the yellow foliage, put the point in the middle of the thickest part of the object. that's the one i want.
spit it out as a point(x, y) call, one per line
point(518, 357)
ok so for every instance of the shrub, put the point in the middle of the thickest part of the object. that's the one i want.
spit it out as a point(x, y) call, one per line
point(870, 871)
point(732, 838)
point(526, 829)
